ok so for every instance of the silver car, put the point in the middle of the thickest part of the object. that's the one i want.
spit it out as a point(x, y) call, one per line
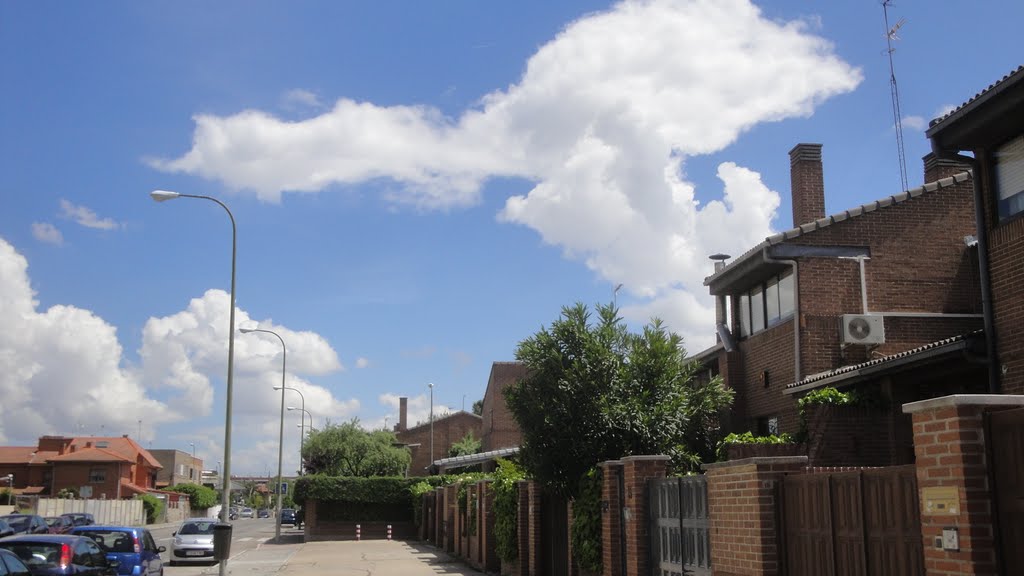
point(193, 541)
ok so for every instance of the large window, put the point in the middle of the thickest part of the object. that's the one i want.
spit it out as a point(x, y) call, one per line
point(766, 304)
point(1009, 167)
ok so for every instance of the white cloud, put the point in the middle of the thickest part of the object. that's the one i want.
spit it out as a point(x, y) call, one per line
point(914, 122)
point(48, 233)
point(362, 362)
point(61, 368)
point(86, 216)
point(299, 98)
point(600, 123)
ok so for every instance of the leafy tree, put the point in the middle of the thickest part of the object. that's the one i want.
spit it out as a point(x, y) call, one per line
point(200, 497)
point(478, 407)
point(152, 505)
point(348, 450)
point(468, 445)
point(594, 392)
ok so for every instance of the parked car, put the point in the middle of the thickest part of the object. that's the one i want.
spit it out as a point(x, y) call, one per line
point(14, 566)
point(5, 529)
point(193, 541)
point(27, 523)
point(60, 555)
point(263, 513)
point(80, 518)
point(245, 513)
point(59, 524)
point(287, 516)
point(134, 548)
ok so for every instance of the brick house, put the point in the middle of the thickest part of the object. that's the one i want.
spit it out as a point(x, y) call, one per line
point(500, 429)
point(446, 431)
point(95, 467)
point(884, 297)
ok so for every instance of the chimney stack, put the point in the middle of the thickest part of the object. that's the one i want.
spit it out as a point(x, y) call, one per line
point(936, 168)
point(807, 183)
point(403, 413)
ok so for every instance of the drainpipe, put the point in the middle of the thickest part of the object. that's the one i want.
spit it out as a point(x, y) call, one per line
point(796, 308)
point(983, 268)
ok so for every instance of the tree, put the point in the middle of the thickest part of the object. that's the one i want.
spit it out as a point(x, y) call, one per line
point(478, 407)
point(595, 392)
point(200, 497)
point(348, 450)
point(468, 445)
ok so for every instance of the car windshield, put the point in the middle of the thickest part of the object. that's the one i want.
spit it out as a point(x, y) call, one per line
point(35, 554)
point(17, 522)
point(110, 540)
point(54, 521)
point(191, 528)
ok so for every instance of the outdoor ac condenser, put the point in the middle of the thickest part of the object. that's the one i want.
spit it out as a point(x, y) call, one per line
point(862, 329)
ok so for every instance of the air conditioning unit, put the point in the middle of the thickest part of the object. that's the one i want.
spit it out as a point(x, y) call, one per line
point(862, 329)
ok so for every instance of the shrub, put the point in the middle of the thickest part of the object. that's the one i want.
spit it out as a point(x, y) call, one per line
point(749, 438)
point(506, 509)
point(586, 523)
point(200, 497)
point(153, 507)
point(821, 396)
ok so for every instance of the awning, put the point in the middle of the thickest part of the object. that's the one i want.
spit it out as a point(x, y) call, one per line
point(470, 459)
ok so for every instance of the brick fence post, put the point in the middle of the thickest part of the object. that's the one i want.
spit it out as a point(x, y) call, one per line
point(522, 567)
point(953, 471)
point(743, 507)
point(637, 471)
point(611, 519)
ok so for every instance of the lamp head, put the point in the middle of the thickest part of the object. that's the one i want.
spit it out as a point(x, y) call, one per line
point(292, 408)
point(278, 387)
point(431, 384)
point(163, 195)
point(246, 330)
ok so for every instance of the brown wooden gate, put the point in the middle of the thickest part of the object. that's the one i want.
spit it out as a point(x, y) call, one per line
point(1007, 434)
point(860, 523)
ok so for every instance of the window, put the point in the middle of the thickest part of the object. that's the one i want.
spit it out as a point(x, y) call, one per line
point(768, 425)
point(767, 304)
point(1009, 168)
point(97, 475)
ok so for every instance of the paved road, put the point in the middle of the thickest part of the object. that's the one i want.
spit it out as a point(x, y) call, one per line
point(254, 552)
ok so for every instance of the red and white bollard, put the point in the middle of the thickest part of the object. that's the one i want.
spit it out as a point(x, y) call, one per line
point(389, 531)
point(357, 531)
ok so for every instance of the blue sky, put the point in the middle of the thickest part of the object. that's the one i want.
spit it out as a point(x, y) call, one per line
point(417, 186)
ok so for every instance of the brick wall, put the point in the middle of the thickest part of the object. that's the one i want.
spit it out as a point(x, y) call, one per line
point(949, 441)
point(743, 506)
point(854, 436)
point(499, 428)
point(447, 431)
point(771, 351)
point(75, 475)
point(611, 511)
point(637, 471)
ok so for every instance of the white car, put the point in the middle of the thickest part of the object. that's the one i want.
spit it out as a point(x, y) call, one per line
point(193, 541)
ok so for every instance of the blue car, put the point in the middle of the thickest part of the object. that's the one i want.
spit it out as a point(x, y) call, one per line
point(60, 555)
point(132, 547)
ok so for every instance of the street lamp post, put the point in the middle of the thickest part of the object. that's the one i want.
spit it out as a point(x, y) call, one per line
point(302, 439)
point(280, 434)
point(162, 196)
point(303, 399)
point(431, 463)
point(192, 466)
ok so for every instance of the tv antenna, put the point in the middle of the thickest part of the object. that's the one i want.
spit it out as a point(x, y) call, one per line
point(890, 35)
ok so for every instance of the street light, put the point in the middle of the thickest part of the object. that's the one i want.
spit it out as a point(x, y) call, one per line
point(280, 435)
point(431, 463)
point(302, 438)
point(192, 466)
point(163, 196)
point(303, 398)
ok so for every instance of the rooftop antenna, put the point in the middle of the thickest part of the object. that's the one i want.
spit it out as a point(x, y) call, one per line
point(890, 35)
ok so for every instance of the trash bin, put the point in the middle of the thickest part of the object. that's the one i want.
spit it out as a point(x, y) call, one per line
point(221, 541)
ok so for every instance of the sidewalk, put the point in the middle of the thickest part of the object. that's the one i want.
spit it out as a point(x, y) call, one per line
point(346, 558)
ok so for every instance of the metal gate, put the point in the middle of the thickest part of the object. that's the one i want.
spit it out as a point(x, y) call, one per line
point(862, 523)
point(680, 535)
point(1007, 434)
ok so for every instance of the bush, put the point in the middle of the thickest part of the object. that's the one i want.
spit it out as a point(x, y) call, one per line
point(749, 438)
point(153, 506)
point(200, 497)
point(586, 523)
point(821, 396)
point(506, 509)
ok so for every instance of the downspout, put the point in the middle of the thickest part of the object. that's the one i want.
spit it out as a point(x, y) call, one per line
point(796, 308)
point(983, 266)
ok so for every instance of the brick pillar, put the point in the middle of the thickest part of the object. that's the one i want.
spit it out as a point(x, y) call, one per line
point(437, 532)
point(533, 563)
point(523, 528)
point(743, 508)
point(807, 183)
point(611, 514)
point(949, 443)
point(491, 562)
point(451, 510)
point(936, 168)
point(638, 470)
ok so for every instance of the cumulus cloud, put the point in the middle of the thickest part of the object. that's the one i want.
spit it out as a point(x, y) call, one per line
point(914, 122)
point(61, 368)
point(86, 216)
point(600, 125)
point(48, 233)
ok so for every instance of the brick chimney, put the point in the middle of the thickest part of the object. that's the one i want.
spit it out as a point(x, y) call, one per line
point(936, 168)
point(403, 414)
point(807, 183)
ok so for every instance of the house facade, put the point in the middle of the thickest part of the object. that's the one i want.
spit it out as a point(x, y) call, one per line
point(93, 467)
point(500, 429)
point(835, 299)
point(178, 467)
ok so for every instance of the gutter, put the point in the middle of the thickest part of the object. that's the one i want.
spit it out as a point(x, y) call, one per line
point(796, 308)
point(983, 264)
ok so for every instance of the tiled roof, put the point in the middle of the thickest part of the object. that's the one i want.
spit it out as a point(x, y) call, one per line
point(844, 215)
point(468, 459)
point(120, 445)
point(946, 345)
point(92, 455)
point(131, 487)
point(16, 454)
point(979, 96)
